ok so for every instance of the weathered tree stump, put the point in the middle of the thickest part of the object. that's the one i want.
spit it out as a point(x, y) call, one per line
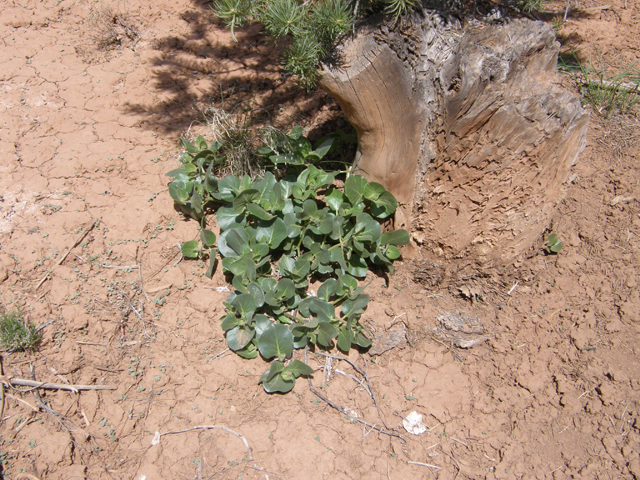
point(467, 126)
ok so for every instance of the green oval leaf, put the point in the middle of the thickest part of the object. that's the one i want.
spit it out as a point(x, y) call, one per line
point(228, 218)
point(384, 206)
point(249, 352)
point(245, 305)
point(190, 249)
point(354, 308)
point(277, 381)
point(239, 337)
point(188, 146)
point(325, 333)
point(373, 190)
point(179, 191)
point(276, 341)
point(272, 232)
point(397, 237)
point(354, 188)
point(207, 237)
point(297, 368)
point(344, 340)
point(327, 289)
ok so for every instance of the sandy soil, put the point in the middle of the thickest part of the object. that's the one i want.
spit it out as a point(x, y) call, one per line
point(94, 97)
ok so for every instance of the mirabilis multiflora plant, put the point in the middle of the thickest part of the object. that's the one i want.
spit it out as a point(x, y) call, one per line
point(281, 231)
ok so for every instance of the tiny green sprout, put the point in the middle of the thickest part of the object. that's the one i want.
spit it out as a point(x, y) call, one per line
point(553, 245)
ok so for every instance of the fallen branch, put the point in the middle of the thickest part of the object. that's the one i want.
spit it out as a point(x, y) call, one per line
point(20, 382)
point(84, 233)
point(158, 435)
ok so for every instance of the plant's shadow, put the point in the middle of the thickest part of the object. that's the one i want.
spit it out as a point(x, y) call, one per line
point(204, 67)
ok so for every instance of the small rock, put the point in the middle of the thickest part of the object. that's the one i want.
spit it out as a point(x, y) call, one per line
point(385, 342)
point(460, 329)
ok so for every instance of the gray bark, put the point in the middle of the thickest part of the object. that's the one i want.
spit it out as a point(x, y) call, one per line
point(467, 126)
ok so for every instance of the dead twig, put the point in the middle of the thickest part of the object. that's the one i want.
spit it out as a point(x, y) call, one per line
point(255, 467)
point(367, 388)
point(158, 435)
point(1, 392)
point(575, 10)
point(17, 399)
point(55, 414)
point(424, 465)
point(219, 355)
point(180, 259)
point(140, 278)
point(339, 409)
point(20, 382)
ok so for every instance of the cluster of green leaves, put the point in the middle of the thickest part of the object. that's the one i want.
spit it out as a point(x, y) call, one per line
point(312, 28)
point(553, 245)
point(283, 231)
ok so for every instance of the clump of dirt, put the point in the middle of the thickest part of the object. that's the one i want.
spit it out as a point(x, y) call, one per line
point(552, 391)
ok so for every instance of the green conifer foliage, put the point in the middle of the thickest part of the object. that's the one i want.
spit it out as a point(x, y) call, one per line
point(311, 28)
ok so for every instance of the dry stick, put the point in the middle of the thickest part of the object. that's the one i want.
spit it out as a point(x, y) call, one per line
point(1, 392)
point(368, 388)
point(373, 395)
point(358, 369)
point(180, 249)
point(51, 411)
point(144, 322)
point(342, 411)
point(354, 379)
point(118, 267)
point(158, 435)
point(575, 10)
point(255, 467)
point(20, 382)
point(424, 465)
point(614, 85)
point(140, 277)
point(33, 409)
point(219, 355)
point(86, 230)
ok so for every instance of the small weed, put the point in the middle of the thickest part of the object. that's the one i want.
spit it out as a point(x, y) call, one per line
point(553, 245)
point(112, 28)
point(604, 92)
point(16, 334)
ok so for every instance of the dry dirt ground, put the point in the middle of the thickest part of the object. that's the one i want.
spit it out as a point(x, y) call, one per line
point(94, 97)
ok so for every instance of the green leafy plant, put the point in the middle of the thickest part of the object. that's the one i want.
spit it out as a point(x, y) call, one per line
point(553, 245)
point(296, 227)
point(16, 334)
point(203, 249)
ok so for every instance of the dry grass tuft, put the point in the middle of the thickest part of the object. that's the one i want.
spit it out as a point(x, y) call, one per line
point(112, 27)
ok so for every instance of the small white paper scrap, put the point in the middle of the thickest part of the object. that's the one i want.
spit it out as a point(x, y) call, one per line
point(413, 424)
